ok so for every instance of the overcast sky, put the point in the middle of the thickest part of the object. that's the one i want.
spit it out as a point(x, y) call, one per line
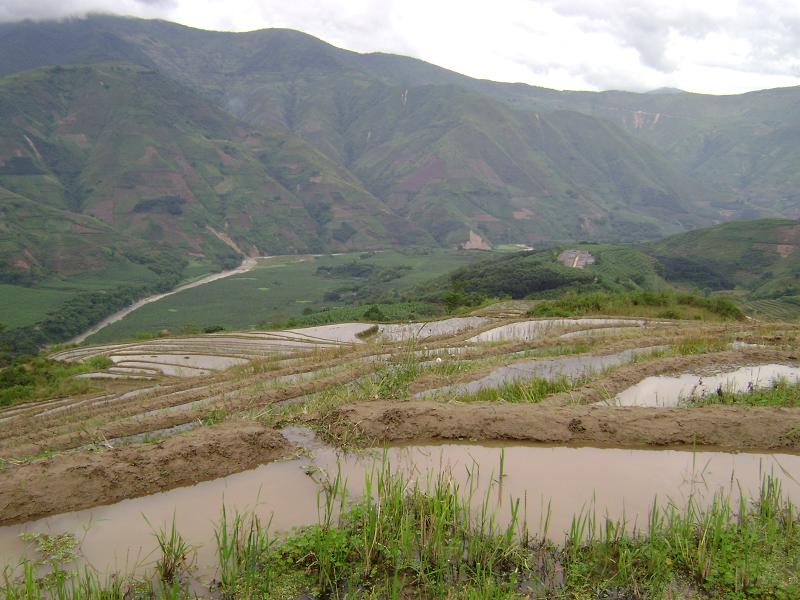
point(709, 46)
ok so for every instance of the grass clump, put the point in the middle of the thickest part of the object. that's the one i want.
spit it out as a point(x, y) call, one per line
point(41, 378)
point(725, 551)
point(531, 391)
point(781, 393)
point(412, 535)
point(690, 346)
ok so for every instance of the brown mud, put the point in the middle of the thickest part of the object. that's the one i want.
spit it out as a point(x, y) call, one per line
point(731, 428)
point(74, 481)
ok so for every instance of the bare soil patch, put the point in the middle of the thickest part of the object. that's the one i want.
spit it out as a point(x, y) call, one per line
point(75, 481)
point(716, 427)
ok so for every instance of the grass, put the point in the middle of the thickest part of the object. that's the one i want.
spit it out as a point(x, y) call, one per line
point(42, 379)
point(280, 289)
point(774, 309)
point(432, 536)
point(782, 393)
point(528, 390)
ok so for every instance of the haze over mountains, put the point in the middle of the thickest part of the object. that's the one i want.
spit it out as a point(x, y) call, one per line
point(121, 136)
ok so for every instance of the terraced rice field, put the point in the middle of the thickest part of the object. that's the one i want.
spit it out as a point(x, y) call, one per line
point(177, 411)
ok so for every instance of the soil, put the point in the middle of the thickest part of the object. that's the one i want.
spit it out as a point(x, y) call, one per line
point(75, 481)
point(713, 427)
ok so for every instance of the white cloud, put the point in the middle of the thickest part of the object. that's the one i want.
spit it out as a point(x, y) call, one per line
point(713, 46)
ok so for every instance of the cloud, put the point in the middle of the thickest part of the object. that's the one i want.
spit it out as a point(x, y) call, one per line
point(714, 46)
point(17, 10)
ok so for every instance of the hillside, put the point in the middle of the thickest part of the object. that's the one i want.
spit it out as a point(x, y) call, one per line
point(143, 153)
point(760, 260)
point(464, 159)
point(757, 262)
point(122, 149)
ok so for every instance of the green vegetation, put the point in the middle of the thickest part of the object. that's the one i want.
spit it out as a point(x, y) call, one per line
point(758, 259)
point(510, 164)
point(529, 390)
point(298, 291)
point(408, 536)
point(781, 393)
point(622, 281)
point(538, 274)
point(662, 305)
point(41, 378)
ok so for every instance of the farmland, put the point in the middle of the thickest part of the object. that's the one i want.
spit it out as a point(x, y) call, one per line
point(285, 418)
point(284, 287)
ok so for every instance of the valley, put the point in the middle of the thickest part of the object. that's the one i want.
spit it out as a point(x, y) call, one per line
point(280, 320)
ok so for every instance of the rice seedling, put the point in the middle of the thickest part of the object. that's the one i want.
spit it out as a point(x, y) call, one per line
point(531, 390)
point(175, 553)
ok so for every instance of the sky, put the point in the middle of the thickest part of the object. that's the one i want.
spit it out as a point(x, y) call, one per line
point(705, 46)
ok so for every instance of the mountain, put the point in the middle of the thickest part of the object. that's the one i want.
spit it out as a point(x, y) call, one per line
point(216, 144)
point(122, 148)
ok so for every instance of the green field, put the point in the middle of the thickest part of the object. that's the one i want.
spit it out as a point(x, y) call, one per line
point(282, 288)
point(23, 305)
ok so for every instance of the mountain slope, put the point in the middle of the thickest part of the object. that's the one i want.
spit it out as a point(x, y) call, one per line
point(757, 262)
point(390, 120)
point(762, 257)
point(129, 148)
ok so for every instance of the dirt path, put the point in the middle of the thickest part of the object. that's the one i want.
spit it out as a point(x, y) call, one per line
point(713, 427)
point(75, 481)
point(247, 265)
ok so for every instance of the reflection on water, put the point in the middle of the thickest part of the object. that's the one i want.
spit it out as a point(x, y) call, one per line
point(571, 367)
point(666, 391)
point(613, 482)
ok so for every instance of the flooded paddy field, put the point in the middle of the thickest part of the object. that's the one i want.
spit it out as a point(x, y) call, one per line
point(198, 421)
point(618, 484)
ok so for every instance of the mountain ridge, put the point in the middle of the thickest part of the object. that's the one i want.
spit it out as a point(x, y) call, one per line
point(411, 153)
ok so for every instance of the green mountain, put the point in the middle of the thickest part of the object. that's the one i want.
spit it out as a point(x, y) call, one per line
point(123, 151)
point(126, 142)
point(430, 156)
point(759, 260)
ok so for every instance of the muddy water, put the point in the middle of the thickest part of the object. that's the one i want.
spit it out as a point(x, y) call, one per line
point(420, 331)
point(619, 483)
point(201, 361)
point(530, 330)
point(672, 391)
point(571, 367)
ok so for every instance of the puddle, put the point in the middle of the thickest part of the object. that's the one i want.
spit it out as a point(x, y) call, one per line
point(597, 332)
point(409, 331)
point(116, 538)
point(105, 375)
point(663, 391)
point(571, 367)
point(338, 332)
point(531, 330)
point(170, 370)
point(201, 361)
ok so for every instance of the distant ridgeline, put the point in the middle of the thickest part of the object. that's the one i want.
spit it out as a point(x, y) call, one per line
point(123, 136)
point(117, 131)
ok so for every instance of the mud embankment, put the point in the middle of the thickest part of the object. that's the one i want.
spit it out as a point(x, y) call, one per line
point(75, 481)
point(731, 428)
